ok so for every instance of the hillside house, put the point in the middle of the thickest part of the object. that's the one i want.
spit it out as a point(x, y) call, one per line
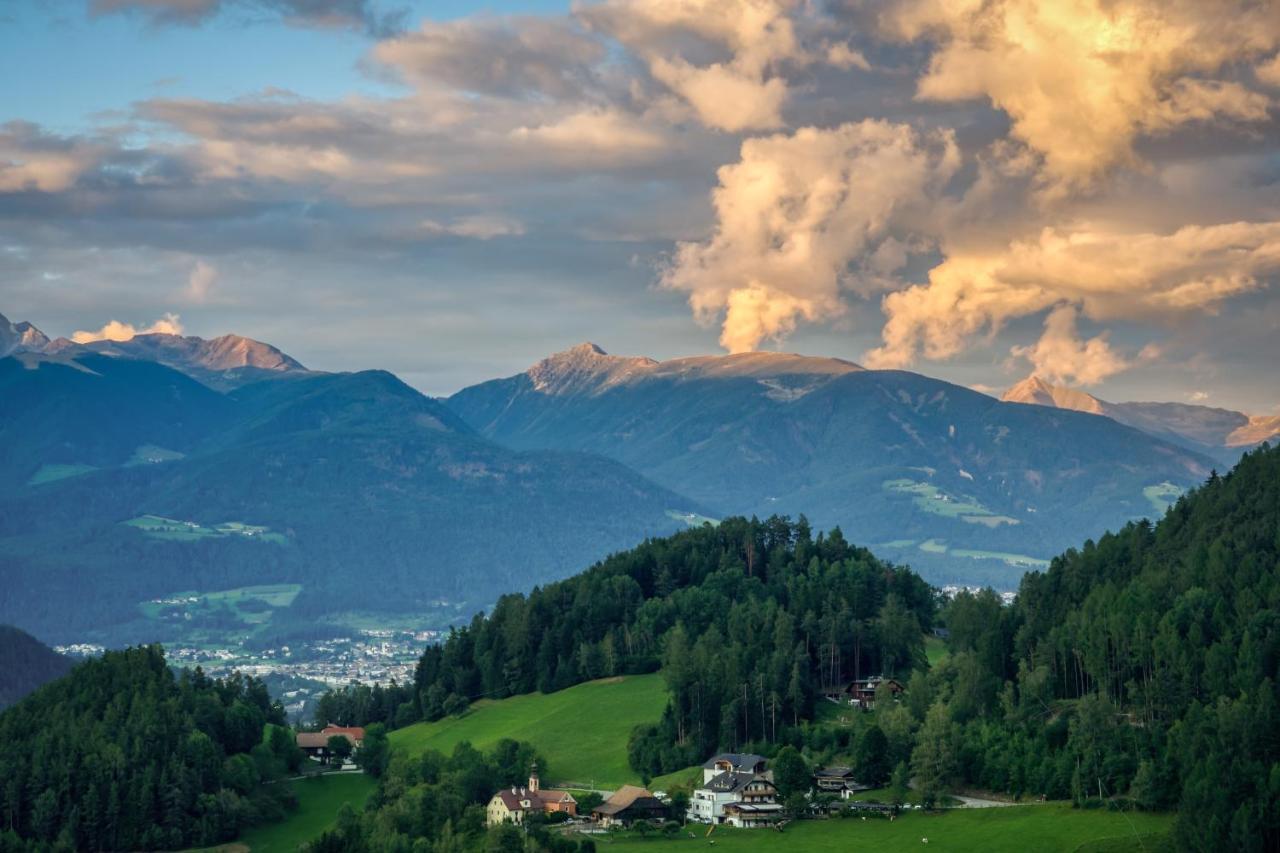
point(861, 692)
point(837, 780)
point(514, 805)
point(627, 805)
point(316, 744)
point(737, 790)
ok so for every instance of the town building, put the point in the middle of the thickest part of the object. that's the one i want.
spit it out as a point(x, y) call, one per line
point(737, 790)
point(627, 805)
point(516, 804)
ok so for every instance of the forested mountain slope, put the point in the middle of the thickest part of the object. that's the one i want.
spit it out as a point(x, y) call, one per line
point(25, 664)
point(1140, 670)
point(922, 470)
point(125, 480)
point(122, 755)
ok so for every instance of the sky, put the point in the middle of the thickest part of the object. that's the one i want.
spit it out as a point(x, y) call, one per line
point(1086, 190)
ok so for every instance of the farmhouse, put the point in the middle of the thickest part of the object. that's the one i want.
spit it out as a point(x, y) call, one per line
point(627, 805)
point(514, 805)
point(737, 790)
point(862, 691)
point(837, 780)
point(316, 744)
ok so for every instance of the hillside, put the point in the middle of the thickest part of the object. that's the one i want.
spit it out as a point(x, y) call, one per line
point(26, 664)
point(368, 494)
point(581, 731)
point(122, 755)
point(958, 484)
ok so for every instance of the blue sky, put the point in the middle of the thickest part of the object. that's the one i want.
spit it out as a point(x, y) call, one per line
point(902, 184)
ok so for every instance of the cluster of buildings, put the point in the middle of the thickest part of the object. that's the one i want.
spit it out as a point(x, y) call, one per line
point(626, 805)
point(736, 790)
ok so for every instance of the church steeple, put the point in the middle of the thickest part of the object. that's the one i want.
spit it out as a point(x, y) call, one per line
point(533, 777)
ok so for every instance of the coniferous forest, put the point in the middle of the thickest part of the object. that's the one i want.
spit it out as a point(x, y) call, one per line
point(1138, 671)
point(122, 754)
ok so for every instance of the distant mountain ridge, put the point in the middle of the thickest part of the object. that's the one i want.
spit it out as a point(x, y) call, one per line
point(1204, 428)
point(224, 362)
point(123, 480)
point(927, 471)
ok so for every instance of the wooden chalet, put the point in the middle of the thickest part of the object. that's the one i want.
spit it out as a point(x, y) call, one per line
point(627, 805)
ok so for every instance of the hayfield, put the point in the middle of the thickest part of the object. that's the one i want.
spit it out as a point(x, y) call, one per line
point(581, 731)
point(1049, 828)
point(319, 799)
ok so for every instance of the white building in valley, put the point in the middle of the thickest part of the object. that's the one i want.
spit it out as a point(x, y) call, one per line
point(737, 790)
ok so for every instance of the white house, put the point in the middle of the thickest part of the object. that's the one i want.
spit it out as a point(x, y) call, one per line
point(735, 789)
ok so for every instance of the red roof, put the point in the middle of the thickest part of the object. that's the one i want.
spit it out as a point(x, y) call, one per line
point(356, 733)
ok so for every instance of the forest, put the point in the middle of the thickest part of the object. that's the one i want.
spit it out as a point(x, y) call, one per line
point(1138, 671)
point(122, 754)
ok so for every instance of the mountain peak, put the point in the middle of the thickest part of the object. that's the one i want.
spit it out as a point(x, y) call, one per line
point(1036, 391)
point(584, 368)
point(20, 336)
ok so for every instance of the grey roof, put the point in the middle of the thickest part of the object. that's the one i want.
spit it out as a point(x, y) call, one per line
point(738, 760)
point(730, 782)
point(834, 772)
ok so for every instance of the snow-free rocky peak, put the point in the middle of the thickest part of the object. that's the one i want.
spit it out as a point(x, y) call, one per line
point(1035, 391)
point(20, 337)
point(588, 369)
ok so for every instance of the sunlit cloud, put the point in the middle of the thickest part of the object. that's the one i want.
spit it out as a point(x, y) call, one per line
point(114, 330)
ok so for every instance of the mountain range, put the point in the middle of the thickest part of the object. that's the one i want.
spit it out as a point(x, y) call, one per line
point(131, 470)
point(1220, 433)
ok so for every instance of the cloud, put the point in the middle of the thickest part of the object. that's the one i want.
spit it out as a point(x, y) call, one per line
point(792, 215)
point(1111, 274)
point(1198, 396)
point(356, 14)
point(478, 227)
point(32, 160)
point(1061, 357)
point(203, 276)
point(515, 57)
point(114, 330)
point(1268, 71)
point(1082, 80)
point(722, 57)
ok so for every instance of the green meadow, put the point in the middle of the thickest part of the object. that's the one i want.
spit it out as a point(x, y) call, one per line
point(159, 527)
point(581, 732)
point(1046, 828)
point(319, 799)
point(50, 473)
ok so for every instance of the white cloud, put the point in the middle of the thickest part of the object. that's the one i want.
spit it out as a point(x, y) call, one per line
point(202, 278)
point(478, 227)
point(1111, 274)
point(795, 212)
point(114, 330)
point(1061, 357)
point(1081, 80)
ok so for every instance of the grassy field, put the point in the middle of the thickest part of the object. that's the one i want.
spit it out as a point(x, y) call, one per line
point(582, 732)
point(935, 649)
point(319, 799)
point(159, 527)
point(49, 473)
point(1051, 828)
point(933, 500)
